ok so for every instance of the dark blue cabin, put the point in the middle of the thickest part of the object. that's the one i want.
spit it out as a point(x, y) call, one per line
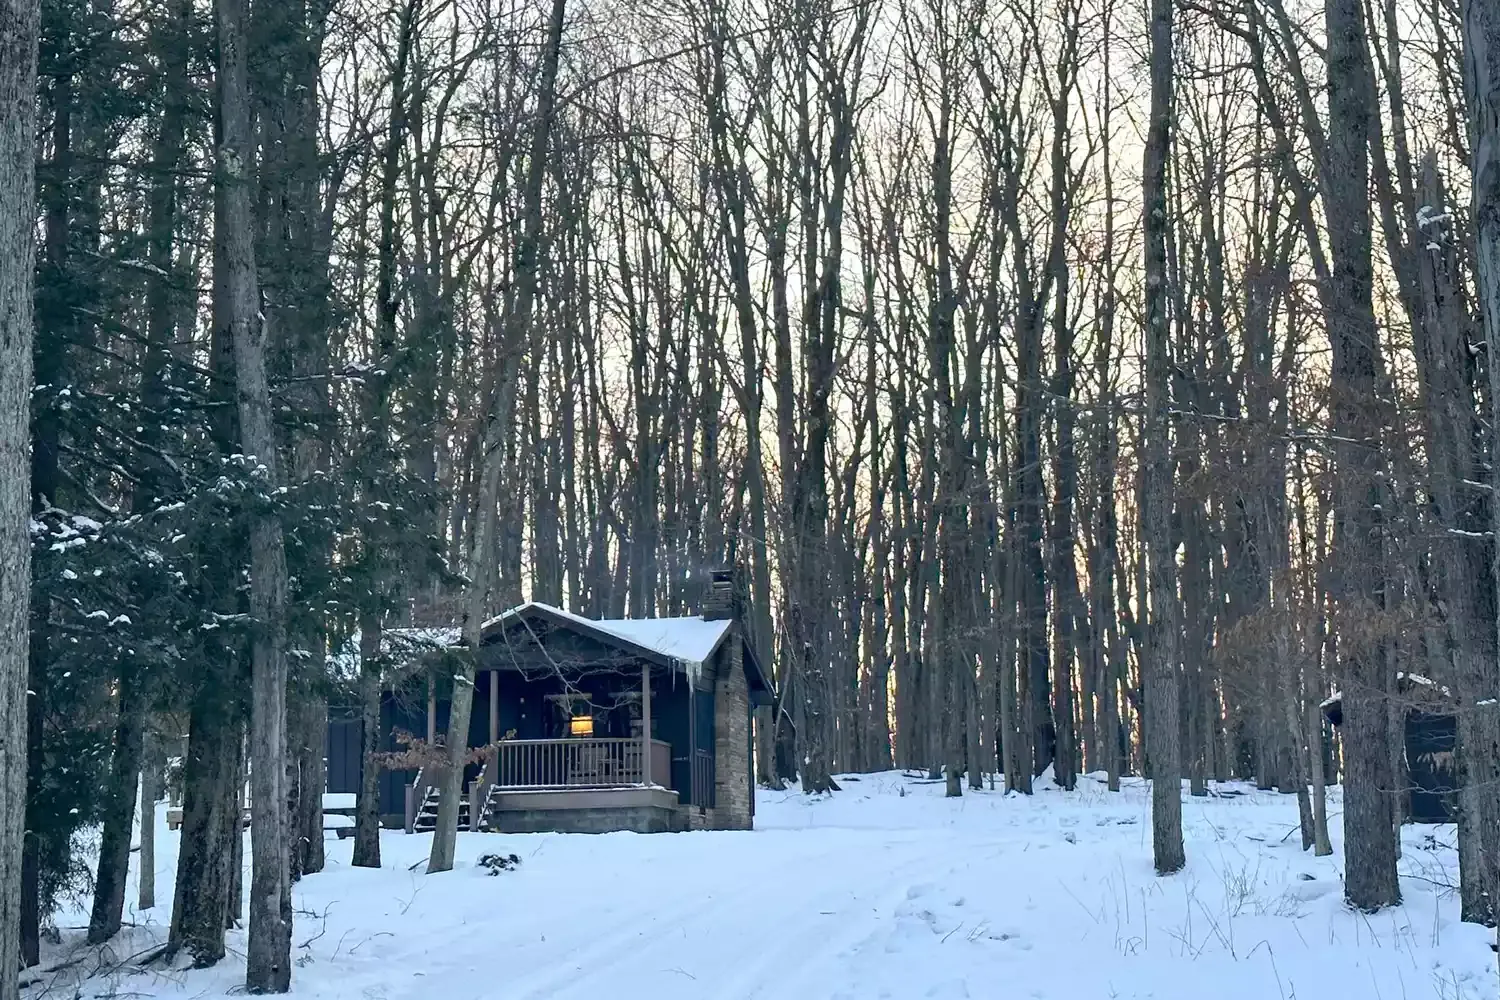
point(560, 715)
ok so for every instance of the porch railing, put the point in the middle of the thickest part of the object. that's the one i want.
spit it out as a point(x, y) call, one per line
point(576, 763)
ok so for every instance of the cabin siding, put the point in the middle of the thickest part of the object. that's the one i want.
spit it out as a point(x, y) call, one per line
point(406, 711)
point(1431, 752)
point(671, 700)
point(341, 751)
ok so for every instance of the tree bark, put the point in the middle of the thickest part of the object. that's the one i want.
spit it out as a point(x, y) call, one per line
point(151, 768)
point(1461, 574)
point(119, 813)
point(19, 21)
point(206, 861)
point(367, 806)
point(268, 957)
point(307, 739)
point(1163, 740)
point(1369, 831)
point(1481, 32)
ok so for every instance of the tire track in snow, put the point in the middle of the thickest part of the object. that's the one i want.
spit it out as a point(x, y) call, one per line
point(643, 943)
point(807, 946)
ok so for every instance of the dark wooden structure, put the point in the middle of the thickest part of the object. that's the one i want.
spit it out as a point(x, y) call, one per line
point(1431, 739)
point(586, 725)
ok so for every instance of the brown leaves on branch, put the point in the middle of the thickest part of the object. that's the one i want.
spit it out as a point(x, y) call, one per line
point(419, 754)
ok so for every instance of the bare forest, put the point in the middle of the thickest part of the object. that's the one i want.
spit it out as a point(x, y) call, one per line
point(1084, 388)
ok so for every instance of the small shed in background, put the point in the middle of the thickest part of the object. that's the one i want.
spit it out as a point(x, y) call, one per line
point(1431, 739)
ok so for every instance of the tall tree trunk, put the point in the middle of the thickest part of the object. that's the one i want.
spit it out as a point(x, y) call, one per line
point(205, 883)
point(302, 314)
point(132, 735)
point(56, 331)
point(367, 806)
point(307, 737)
point(1461, 573)
point(151, 769)
point(1064, 573)
point(1162, 712)
point(268, 959)
point(206, 860)
point(119, 812)
point(1481, 31)
point(18, 59)
point(1369, 832)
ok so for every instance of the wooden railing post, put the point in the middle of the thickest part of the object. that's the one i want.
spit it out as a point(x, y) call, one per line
point(413, 803)
point(431, 710)
point(494, 706)
point(646, 724)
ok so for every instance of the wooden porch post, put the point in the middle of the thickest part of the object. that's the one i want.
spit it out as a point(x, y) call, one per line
point(431, 709)
point(645, 723)
point(494, 706)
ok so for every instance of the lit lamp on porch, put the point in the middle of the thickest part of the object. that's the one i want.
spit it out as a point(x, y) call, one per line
point(581, 725)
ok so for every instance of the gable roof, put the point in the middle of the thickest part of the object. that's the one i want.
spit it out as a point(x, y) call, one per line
point(687, 642)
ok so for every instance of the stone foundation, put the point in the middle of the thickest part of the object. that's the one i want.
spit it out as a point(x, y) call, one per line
point(635, 819)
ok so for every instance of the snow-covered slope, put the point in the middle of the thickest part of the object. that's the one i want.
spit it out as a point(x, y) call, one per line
point(883, 890)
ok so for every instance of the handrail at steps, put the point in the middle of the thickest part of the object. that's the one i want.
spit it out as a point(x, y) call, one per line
point(415, 793)
point(479, 791)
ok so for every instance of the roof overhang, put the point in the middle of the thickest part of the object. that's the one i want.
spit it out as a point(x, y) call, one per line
point(494, 629)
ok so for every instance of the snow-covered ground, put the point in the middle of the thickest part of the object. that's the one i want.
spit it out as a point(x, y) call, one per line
point(883, 890)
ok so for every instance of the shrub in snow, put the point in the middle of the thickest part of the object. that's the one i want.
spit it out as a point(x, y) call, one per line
point(497, 863)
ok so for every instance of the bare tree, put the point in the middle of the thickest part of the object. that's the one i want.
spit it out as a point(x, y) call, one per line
point(1358, 577)
point(1162, 739)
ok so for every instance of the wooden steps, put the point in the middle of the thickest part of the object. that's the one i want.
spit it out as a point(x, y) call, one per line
point(426, 820)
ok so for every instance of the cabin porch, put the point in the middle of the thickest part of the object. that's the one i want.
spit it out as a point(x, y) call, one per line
point(589, 753)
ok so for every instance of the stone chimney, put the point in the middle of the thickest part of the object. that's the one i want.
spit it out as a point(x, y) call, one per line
point(720, 602)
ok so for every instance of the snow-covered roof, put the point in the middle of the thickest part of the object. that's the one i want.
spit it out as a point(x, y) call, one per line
point(690, 640)
point(1427, 682)
point(1404, 682)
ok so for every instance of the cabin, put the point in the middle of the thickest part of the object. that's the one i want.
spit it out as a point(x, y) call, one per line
point(1431, 737)
point(579, 725)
